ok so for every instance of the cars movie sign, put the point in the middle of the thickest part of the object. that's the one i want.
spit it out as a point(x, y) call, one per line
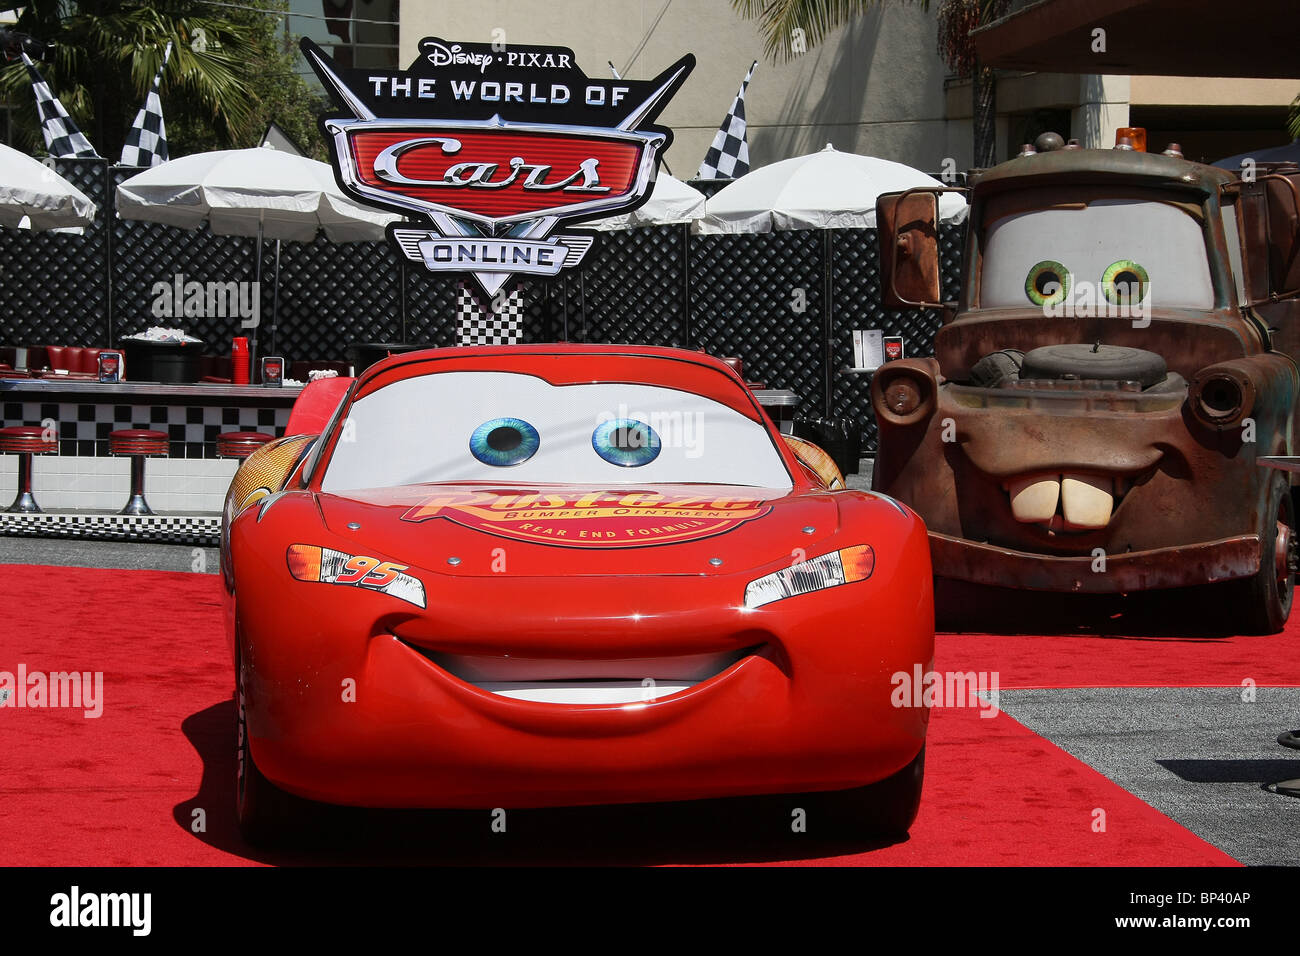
point(491, 147)
point(594, 519)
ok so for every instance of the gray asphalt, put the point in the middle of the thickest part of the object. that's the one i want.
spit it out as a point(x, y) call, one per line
point(1199, 755)
point(862, 480)
point(108, 554)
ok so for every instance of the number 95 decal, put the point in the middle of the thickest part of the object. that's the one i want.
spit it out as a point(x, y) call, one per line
point(308, 562)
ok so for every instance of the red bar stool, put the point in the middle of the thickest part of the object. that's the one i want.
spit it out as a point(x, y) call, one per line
point(138, 443)
point(25, 441)
point(240, 444)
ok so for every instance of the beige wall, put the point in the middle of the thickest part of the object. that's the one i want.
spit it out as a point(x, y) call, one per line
point(874, 87)
point(1210, 91)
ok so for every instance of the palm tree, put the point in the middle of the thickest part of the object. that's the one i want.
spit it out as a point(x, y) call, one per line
point(105, 54)
point(779, 19)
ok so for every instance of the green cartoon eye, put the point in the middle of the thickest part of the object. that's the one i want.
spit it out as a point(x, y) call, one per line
point(1048, 283)
point(1125, 282)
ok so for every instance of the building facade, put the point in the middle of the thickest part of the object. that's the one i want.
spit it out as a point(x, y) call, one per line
point(876, 86)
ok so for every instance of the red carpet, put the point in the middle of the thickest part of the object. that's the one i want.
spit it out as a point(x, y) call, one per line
point(123, 789)
point(1076, 660)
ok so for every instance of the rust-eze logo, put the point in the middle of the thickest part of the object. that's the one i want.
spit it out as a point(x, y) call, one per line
point(625, 518)
point(490, 148)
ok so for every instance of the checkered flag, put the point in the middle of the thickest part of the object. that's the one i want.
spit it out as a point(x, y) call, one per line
point(728, 157)
point(480, 323)
point(63, 140)
point(146, 141)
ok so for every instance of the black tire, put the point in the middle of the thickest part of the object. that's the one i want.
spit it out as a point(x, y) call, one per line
point(267, 816)
point(885, 808)
point(1261, 604)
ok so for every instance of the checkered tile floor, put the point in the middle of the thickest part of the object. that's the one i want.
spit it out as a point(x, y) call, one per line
point(193, 430)
point(203, 530)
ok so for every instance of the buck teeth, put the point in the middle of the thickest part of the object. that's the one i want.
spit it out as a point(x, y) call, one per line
point(1034, 499)
point(1086, 501)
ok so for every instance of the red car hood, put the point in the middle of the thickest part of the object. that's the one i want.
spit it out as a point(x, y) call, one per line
point(548, 530)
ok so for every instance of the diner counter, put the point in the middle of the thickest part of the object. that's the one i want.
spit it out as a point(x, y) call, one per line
point(84, 411)
point(83, 477)
point(197, 391)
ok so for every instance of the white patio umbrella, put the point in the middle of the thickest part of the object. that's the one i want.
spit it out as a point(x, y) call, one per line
point(671, 202)
point(823, 190)
point(34, 196)
point(249, 192)
point(262, 192)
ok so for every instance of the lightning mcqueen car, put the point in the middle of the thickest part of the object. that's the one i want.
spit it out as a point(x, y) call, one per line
point(562, 575)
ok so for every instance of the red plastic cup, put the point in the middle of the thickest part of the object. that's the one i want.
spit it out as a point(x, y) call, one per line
point(239, 361)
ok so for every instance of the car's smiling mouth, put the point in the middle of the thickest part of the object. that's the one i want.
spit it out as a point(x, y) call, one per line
point(585, 681)
point(1070, 502)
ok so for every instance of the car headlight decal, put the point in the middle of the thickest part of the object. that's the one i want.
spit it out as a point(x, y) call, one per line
point(827, 571)
point(304, 562)
point(309, 562)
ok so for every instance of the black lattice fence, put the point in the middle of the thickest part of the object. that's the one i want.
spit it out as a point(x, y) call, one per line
point(786, 303)
point(430, 307)
point(320, 295)
point(857, 305)
point(632, 289)
point(761, 297)
point(55, 285)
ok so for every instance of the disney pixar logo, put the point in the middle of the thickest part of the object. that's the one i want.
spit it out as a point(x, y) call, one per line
point(490, 149)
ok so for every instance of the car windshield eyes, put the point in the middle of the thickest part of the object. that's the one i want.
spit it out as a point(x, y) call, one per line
point(504, 441)
point(626, 442)
point(1125, 282)
point(1048, 283)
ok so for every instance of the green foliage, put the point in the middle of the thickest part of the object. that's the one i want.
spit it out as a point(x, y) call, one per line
point(957, 18)
point(230, 73)
point(281, 95)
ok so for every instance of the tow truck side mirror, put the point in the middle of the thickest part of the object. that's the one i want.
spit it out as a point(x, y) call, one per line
point(907, 228)
point(1269, 214)
point(1283, 233)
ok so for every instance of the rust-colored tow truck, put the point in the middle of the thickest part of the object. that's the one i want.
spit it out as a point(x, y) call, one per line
point(1107, 395)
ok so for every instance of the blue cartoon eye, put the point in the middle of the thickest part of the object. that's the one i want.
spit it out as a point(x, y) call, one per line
point(504, 441)
point(626, 442)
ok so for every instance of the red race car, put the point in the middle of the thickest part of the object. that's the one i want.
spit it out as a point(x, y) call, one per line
point(539, 576)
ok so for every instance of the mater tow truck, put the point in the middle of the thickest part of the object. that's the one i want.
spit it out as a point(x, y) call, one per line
point(1117, 370)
